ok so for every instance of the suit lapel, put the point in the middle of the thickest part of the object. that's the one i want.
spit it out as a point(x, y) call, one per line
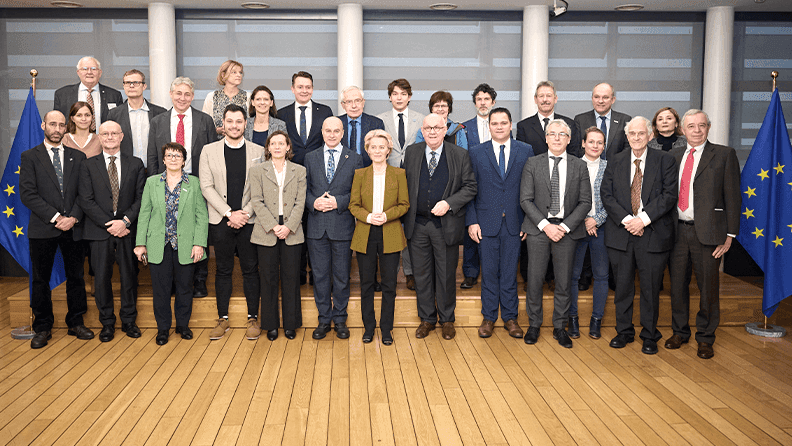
point(68, 167)
point(544, 171)
point(99, 163)
point(536, 125)
point(706, 157)
point(45, 160)
point(489, 148)
point(194, 131)
point(342, 160)
point(185, 192)
point(316, 124)
point(473, 132)
point(649, 173)
point(514, 152)
point(126, 172)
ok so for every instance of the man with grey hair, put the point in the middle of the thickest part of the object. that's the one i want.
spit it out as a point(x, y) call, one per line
point(639, 193)
point(531, 130)
point(356, 123)
point(611, 122)
point(100, 97)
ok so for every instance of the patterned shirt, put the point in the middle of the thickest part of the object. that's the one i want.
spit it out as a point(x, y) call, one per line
point(221, 101)
point(172, 208)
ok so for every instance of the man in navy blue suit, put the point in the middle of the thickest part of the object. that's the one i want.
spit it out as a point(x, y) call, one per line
point(356, 123)
point(329, 173)
point(494, 218)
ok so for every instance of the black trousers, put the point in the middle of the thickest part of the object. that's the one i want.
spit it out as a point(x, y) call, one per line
point(163, 276)
point(280, 262)
point(367, 265)
point(434, 267)
point(228, 241)
point(42, 257)
point(103, 254)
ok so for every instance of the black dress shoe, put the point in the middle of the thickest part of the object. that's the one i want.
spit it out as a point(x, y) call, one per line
point(594, 328)
point(162, 337)
point(368, 337)
point(620, 341)
point(131, 329)
point(40, 339)
point(81, 332)
point(290, 334)
point(342, 332)
point(649, 347)
point(310, 278)
point(574, 327)
point(199, 290)
point(387, 338)
point(303, 279)
point(561, 335)
point(531, 336)
point(185, 332)
point(321, 331)
point(377, 287)
point(410, 279)
point(468, 283)
point(583, 285)
point(107, 333)
point(272, 334)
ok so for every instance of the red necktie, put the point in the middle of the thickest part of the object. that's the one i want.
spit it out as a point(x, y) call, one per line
point(180, 129)
point(684, 187)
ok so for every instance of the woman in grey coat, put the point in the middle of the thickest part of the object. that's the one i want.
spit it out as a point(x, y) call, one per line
point(262, 121)
point(667, 130)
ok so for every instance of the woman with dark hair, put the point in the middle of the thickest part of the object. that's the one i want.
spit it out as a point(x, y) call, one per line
point(667, 130)
point(277, 192)
point(78, 130)
point(229, 76)
point(442, 103)
point(173, 226)
point(261, 116)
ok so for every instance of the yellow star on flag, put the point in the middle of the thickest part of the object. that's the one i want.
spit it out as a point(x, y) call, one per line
point(763, 174)
point(17, 231)
point(790, 228)
point(789, 184)
point(758, 233)
point(752, 192)
point(779, 168)
point(748, 213)
point(17, 171)
point(778, 241)
point(9, 212)
point(9, 189)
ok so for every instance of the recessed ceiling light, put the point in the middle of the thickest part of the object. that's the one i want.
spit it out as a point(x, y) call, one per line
point(630, 7)
point(66, 4)
point(443, 6)
point(255, 5)
point(759, 1)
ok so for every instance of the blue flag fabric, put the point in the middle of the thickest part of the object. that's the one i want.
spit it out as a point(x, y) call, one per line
point(766, 221)
point(15, 216)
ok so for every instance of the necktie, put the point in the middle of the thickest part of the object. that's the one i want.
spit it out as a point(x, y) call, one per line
point(401, 130)
point(180, 129)
point(555, 188)
point(433, 163)
point(635, 188)
point(303, 124)
point(330, 165)
point(56, 163)
point(485, 134)
point(112, 171)
point(353, 137)
point(545, 120)
point(90, 101)
point(604, 128)
point(684, 187)
point(502, 161)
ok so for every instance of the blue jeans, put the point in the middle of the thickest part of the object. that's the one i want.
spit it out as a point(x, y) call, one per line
point(599, 268)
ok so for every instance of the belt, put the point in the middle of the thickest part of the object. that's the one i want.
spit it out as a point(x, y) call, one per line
point(555, 221)
point(686, 222)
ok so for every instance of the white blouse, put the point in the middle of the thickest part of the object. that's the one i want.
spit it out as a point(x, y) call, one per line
point(280, 177)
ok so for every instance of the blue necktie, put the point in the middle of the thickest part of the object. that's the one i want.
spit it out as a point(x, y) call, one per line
point(433, 163)
point(56, 163)
point(330, 165)
point(502, 161)
point(401, 130)
point(604, 128)
point(303, 125)
point(353, 137)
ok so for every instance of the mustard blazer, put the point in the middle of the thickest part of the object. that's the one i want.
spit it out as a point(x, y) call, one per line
point(264, 199)
point(395, 204)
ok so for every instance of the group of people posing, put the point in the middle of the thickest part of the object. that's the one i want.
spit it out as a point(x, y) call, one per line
point(281, 189)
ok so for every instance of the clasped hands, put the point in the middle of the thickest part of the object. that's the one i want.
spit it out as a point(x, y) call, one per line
point(238, 219)
point(325, 203)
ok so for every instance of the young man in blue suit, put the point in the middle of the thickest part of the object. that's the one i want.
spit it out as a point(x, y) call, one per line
point(493, 219)
point(356, 123)
point(329, 173)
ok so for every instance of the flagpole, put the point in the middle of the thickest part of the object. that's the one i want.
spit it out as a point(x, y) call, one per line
point(34, 73)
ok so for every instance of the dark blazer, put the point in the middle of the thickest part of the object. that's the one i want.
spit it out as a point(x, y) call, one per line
point(66, 96)
point(530, 131)
point(460, 190)
point(471, 127)
point(339, 224)
point(658, 194)
point(535, 194)
point(617, 140)
point(315, 140)
point(203, 133)
point(367, 124)
point(497, 197)
point(96, 197)
point(40, 192)
point(120, 115)
point(716, 192)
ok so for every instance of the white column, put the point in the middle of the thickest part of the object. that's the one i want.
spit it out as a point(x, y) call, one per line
point(350, 47)
point(535, 53)
point(718, 43)
point(162, 51)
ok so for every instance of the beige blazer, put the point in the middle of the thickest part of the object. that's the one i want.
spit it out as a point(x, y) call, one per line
point(264, 199)
point(214, 185)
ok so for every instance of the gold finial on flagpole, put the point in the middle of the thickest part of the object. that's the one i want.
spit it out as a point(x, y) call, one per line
point(33, 73)
point(774, 75)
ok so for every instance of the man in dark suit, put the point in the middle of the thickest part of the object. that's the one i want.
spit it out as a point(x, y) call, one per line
point(555, 194)
point(531, 130)
point(638, 191)
point(111, 187)
point(611, 122)
point(441, 183)
point(709, 218)
point(48, 181)
point(100, 97)
point(493, 219)
point(356, 123)
point(304, 117)
point(134, 116)
point(329, 173)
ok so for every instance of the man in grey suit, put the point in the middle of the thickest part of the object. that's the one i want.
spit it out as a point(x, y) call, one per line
point(555, 195)
point(611, 122)
point(403, 124)
point(329, 173)
point(101, 97)
point(441, 182)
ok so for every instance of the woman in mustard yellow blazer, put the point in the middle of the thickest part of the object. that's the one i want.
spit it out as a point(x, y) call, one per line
point(379, 198)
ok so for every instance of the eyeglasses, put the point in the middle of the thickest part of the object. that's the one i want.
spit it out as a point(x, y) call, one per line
point(353, 101)
point(87, 69)
point(134, 83)
point(173, 156)
point(440, 106)
point(436, 129)
point(109, 134)
point(558, 135)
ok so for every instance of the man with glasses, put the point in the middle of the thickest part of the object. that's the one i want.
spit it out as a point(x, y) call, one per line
point(356, 123)
point(111, 188)
point(134, 116)
point(100, 97)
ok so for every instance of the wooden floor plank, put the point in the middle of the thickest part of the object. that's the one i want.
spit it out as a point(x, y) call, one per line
point(297, 414)
point(388, 405)
point(319, 409)
point(425, 430)
point(275, 421)
point(338, 431)
point(360, 431)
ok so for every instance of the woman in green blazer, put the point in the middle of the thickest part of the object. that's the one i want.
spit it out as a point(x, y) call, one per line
point(172, 229)
point(379, 198)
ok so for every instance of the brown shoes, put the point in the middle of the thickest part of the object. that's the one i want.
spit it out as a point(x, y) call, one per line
point(513, 328)
point(424, 329)
point(674, 342)
point(705, 350)
point(448, 331)
point(485, 330)
point(410, 282)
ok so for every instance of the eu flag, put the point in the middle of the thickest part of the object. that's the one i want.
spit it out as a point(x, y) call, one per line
point(766, 222)
point(15, 218)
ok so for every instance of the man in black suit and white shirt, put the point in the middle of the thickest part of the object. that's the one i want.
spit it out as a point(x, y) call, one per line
point(48, 178)
point(102, 98)
point(611, 122)
point(531, 130)
point(304, 117)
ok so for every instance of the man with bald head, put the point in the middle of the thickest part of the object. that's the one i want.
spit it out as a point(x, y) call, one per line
point(111, 187)
point(101, 97)
point(441, 183)
point(329, 173)
point(611, 122)
point(48, 183)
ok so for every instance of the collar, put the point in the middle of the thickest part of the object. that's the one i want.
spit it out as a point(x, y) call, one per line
point(699, 149)
point(187, 113)
point(541, 117)
point(404, 113)
point(481, 119)
point(107, 155)
point(49, 147)
point(563, 155)
point(607, 115)
point(591, 163)
point(307, 104)
point(85, 89)
point(185, 178)
point(327, 148)
point(359, 119)
point(439, 150)
point(143, 107)
point(642, 158)
point(497, 145)
point(234, 146)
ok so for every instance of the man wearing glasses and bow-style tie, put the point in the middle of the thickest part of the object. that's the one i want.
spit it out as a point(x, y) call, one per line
point(100, 97)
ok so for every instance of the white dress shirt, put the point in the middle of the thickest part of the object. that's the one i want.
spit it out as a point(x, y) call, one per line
point(378, 195)
point(187, 134)
point(598, 122)
point(280, 177)
point(483, 128)
point(541, 117)
point(593, 169)
point(308, 116)
point(506, 151)
point(139, 122)
point(641, 214)
point(562, 174)
point(336, 157)
point(405, 117)
point(82, 95)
